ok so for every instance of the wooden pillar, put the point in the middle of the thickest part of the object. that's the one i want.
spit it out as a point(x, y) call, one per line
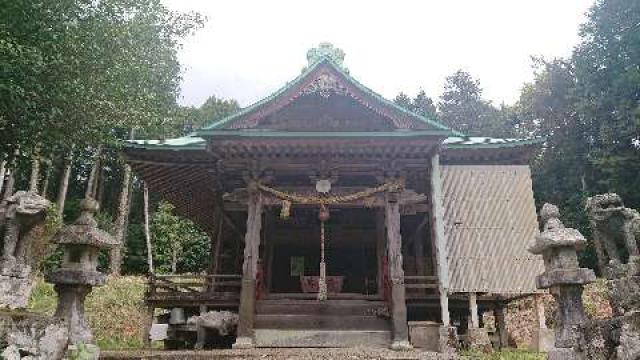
point(439, 239)
point(473, 309)
point(501, 326)
point(146, 326)
point(245, 338)
point(396, 273)
point(201, 331)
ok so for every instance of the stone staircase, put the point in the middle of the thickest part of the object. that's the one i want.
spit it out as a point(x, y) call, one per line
point(332, 323)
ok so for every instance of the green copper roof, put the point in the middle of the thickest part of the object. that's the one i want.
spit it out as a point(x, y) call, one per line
point(323, 58)
point(189, 142)
point(472, 142)
point(193, 142)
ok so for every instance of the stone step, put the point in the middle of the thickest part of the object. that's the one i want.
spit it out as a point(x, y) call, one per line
point(321, 338)
point(320, 322)
point(331, 307)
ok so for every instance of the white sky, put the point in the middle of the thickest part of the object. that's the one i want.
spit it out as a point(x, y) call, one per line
point(248, 49)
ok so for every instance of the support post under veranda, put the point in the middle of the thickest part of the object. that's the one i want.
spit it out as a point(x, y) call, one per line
point(147, 235)
point(396, 273)
point(246, 313)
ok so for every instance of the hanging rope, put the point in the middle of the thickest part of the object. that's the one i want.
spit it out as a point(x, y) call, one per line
point(322, 281)
point(324, 200)
point(330, 200)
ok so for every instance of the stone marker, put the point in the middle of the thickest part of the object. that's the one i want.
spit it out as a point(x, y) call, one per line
point(564, 278)
point(22, 217)
point(73, 281)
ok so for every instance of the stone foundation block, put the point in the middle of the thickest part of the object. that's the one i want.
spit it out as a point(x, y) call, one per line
point(447, 340)
point(425, 335)
point(564, 354)
point(478, 340)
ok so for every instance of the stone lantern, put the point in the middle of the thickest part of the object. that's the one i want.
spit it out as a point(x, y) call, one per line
point(82, 242)
point(564, 278)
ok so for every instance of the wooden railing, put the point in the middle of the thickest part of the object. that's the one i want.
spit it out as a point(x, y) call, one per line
point(194, 284)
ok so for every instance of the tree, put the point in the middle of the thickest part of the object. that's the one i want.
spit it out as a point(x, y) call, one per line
point(421, 104)
point(215, 109)
point(607, 71)
point(73, 71)
point(179, 245)
point(462, 107)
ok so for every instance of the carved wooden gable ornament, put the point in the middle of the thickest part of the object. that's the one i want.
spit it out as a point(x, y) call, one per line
point(325, 98)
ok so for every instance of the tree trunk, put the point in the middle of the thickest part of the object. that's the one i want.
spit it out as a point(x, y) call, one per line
point(45, 181)
point(101, 184)
point(174, 260)
point(93, 176)
point(147, 233)
point(64, 184)
point(3, 170)
point(121, 221)
point(35, 173)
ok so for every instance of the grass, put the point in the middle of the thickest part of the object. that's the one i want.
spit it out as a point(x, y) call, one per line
point(114, 312)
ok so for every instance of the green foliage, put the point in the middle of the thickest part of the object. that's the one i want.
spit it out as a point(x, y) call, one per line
point(421, 104)
point(179, 246)
point(462, 107)
point(80, 69)
point(114, 311)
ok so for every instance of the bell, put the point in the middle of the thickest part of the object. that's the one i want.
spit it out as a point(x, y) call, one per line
point(324, 214)
point(177, 316)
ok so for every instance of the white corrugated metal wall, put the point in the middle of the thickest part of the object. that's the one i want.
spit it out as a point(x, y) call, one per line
point(490, 220)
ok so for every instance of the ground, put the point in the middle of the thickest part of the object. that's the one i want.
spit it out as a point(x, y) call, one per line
point(115, 313)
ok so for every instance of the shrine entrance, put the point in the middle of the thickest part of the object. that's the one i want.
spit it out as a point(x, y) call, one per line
point(292, 253)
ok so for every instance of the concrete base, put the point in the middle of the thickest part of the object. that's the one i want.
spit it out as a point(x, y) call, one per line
point(447, 340)
point(478, 340)
point(564, 354)
point(401, 346)
point(321, 338)
point(244, 343)
point(542, 340)
point(424, 335)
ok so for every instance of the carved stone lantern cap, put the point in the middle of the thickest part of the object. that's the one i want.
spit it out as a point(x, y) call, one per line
point(84, 231)
point(555, 235)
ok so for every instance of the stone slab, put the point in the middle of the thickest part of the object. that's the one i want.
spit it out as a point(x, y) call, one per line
point(424, 335)
point(321, 338)
point(158, 332)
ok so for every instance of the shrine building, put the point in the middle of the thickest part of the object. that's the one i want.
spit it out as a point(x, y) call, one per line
point(338, 218)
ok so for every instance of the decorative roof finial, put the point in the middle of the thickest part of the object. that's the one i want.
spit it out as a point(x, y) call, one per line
point(326, 50)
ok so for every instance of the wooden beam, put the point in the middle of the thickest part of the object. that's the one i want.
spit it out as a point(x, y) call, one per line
point(439, 239)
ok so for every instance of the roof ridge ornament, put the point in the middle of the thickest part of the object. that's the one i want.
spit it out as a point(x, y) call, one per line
point(329, 51)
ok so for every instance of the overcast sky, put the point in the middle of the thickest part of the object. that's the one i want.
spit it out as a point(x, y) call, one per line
point(249, 49)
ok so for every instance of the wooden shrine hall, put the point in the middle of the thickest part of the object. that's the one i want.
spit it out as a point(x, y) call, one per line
point(338, 218)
